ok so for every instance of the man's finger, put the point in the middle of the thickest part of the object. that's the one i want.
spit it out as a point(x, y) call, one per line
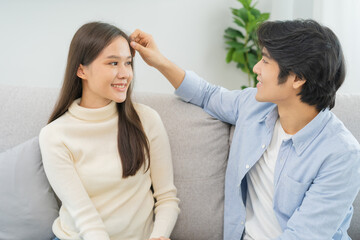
point(137, 46)
point(134, 34)
point(138, 35)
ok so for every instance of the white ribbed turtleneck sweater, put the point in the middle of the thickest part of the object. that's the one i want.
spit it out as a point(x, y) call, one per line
point(82, 163)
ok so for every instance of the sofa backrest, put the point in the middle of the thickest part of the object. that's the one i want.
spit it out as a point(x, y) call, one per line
point(199, 145)
point(347, 109)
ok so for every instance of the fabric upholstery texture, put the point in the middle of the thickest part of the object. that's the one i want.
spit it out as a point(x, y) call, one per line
point(27, 203)
point(199, 145)
point(347, 109)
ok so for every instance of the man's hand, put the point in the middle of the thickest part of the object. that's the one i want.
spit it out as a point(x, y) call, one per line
point(146, 46)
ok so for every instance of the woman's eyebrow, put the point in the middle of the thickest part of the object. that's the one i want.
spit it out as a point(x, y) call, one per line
point(117, 57)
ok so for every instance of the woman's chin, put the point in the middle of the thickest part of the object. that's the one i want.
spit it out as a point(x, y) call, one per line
point(120, 99)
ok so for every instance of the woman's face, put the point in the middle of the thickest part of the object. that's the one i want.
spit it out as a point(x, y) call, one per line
point(108, 77)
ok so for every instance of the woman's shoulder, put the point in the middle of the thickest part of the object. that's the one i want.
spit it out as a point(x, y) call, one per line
point(54, 128)
point(145, 111)
point(147, 115)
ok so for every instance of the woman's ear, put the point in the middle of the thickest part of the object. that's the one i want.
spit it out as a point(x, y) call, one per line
point(80, 72)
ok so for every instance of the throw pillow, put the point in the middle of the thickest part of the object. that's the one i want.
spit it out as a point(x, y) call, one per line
point(28, 205)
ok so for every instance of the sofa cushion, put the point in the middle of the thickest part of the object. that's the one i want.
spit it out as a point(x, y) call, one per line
point(23, 112)
point(347, 110)
point(27, 203)
point(200, 146)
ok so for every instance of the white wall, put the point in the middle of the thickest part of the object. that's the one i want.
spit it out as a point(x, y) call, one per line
point(35, 36)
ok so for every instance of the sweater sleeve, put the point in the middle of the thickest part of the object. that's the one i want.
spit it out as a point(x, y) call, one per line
point(161, 170)
point(62, 175)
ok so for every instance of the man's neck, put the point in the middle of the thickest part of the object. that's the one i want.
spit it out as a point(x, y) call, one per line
point(295, 116)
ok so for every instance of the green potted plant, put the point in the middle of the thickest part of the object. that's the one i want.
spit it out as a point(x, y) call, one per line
point(242, 45)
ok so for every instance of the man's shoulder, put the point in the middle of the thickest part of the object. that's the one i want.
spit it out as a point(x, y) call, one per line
point(249, 106)
point(338, 138)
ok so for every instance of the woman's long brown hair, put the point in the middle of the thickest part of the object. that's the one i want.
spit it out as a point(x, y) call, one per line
point(86, 45)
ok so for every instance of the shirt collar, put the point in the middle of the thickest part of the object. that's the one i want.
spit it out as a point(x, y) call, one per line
point(306, 135)
point(92, 114)
point(303, 138)
point(270, 117)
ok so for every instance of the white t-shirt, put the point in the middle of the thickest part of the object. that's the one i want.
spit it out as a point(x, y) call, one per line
point(261, 222)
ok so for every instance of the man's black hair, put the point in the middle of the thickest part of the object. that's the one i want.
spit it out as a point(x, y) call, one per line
point(309, 50)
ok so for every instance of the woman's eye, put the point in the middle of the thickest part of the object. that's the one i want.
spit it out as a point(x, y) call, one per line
point(264, 61)
point(128, 63)
point(114, 63)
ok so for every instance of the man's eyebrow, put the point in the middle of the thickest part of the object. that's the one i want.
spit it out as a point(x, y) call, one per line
point(117, 57)
point(265, 54)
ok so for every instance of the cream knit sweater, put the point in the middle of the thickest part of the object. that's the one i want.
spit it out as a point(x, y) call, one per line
point(83, 166)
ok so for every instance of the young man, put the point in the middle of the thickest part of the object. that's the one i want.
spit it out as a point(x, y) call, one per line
point(293, 169)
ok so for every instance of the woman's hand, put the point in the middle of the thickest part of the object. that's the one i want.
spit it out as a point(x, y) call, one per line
point(160, 238)
point(146, 46)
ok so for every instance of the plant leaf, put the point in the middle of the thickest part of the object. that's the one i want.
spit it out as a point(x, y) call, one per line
point(256, 13)
point(242, 67)
point(239, 22)
point(235, 11)
point(243, 49)
point(235, 44)
point(264, 16)
point(234, 33)
point(249, 3)
point(245, 3)
point(229, 38)
point(251, 17)
point(229, 55)
point(252, 25)
point(244, 14)
point(255, 3)
point(252, 59)
point(239, 56)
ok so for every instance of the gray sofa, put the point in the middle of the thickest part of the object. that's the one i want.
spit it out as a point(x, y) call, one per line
point(199, 143)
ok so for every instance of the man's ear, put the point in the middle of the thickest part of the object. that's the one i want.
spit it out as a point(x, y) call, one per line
point(298, 82)
point(81, 72)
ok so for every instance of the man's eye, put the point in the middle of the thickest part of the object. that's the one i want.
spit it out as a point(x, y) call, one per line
point(114, 63)
point(128, 63)
point(264, 61)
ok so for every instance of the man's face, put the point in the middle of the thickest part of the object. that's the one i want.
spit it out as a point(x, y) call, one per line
point(268, 89)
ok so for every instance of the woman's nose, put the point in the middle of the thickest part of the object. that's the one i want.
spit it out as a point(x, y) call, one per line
point(123, 72)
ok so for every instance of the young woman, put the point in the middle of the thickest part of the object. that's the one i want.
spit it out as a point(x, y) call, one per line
point(102, 153)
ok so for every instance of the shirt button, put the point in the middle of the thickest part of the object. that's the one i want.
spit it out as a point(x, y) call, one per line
point(247, 166)
point(263, 146)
